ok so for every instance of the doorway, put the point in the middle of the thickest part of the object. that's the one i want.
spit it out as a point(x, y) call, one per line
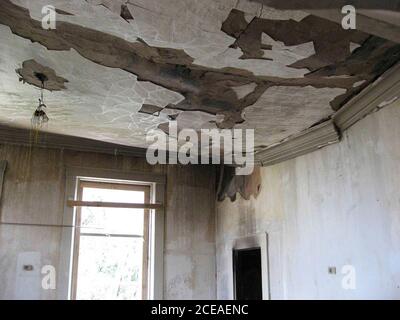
point(247, 274)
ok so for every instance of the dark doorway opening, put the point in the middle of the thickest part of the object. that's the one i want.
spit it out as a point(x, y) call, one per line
point(247, 274)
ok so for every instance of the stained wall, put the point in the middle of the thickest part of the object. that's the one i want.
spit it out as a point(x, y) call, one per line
point(336, 207)
point(33, 194)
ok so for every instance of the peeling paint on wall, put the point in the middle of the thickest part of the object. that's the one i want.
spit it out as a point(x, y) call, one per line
point(231, 184)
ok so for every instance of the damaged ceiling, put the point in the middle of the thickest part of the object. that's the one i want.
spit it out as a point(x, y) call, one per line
point(119, 68)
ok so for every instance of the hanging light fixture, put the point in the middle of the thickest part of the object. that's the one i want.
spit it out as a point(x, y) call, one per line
point(40, 117)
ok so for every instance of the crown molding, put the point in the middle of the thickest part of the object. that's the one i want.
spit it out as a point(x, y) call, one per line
point(377, 95)
point(307, 141)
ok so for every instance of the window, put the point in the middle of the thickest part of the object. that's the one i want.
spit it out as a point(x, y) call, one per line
point(111, 247)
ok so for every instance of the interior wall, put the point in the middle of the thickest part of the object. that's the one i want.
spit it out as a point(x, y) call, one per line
point(33, 193)
point(335, 207)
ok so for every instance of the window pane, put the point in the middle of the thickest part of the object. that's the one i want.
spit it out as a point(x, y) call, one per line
point(112, 220)
point(112, 195)
point(109, 268)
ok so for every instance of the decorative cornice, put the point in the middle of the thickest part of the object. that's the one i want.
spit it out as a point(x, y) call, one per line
point(307, 141)
point(377, 95)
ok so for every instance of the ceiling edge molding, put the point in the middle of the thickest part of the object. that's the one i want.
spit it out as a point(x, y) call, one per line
point(307, 141)
point(377, 95)
point(25, 137)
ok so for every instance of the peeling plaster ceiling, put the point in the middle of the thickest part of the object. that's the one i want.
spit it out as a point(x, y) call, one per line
point(120, 68)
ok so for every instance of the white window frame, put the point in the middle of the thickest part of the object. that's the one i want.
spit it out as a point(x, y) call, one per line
point(156, 239)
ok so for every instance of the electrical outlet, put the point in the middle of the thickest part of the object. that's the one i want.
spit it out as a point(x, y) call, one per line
point(332, 270)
